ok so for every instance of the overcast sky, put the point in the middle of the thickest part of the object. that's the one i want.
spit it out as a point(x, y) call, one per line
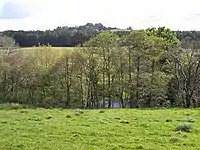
point(139, 14)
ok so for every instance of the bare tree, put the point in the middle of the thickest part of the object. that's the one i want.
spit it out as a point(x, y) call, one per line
point(7, 44)
point(187, 73)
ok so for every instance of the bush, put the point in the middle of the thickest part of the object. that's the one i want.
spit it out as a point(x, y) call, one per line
point(185, 127)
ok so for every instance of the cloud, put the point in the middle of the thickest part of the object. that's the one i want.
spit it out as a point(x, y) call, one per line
point(151, 19)
point(139, 14)
point(14, 10)
point(193, 17)
point(197, 15)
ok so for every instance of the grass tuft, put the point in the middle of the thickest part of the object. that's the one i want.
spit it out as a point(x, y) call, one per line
point(49, 117)
point(168, 120)
point(117, 118)
point(124, 122)
point(184, 127)
point(68, 116)
point(189, 119)
point(102, 111)
point(174, 139)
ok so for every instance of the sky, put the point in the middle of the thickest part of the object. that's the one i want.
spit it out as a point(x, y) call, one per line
point(139, 14)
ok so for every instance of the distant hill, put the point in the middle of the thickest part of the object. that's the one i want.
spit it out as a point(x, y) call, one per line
point(73, 36)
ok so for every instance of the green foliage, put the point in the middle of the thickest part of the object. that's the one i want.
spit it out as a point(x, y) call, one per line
point(103, 39)
point(139, 69)
point(165, 33)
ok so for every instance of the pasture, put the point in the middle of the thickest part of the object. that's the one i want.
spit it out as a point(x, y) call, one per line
point(113, 129)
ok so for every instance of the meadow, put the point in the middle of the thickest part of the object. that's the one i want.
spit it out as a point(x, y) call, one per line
point(100, 129)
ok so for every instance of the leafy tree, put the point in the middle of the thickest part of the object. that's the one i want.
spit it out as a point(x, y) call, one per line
point(105, 43)
point(135, 43)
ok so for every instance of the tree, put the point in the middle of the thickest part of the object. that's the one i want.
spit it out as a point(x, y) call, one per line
point(168, 35)
point(135, 43)
point(7, 42)
point(158, 79)
point(104, 44)
point(186, 73)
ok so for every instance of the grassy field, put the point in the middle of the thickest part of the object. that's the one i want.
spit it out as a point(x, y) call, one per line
point(57, 129)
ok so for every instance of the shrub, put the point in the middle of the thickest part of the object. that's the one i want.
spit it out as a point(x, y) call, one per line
point(185, 127)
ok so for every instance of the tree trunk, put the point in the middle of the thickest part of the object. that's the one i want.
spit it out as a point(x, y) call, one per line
point(103, 91)
point(88, 94)
point(130, 80)
point(81, 87)
point(137, 80)
point(132, 105)
point(151, 83)
point(67, 82)
point(109, 91)
point(188, 101)
point(121, 99)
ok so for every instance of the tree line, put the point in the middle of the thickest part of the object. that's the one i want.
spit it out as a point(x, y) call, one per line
point(145, 68)
point(59, 37)
point(78, 35)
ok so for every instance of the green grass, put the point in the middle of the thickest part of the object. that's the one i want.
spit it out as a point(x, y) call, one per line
point(51, 129)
